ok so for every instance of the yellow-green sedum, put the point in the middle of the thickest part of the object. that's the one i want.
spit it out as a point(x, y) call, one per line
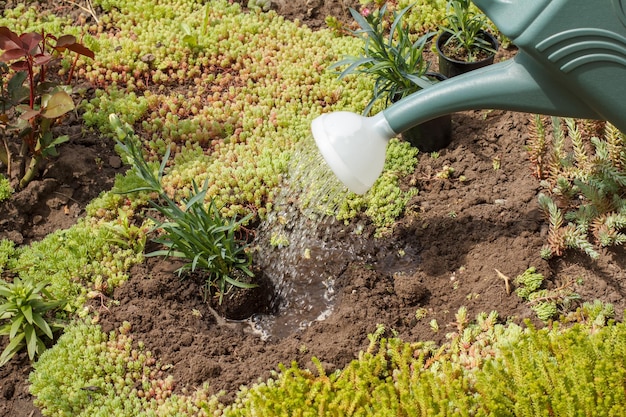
point(484, 369)
point(90, 256)
point(5, 188)
point(92, 374)
point(237, 102)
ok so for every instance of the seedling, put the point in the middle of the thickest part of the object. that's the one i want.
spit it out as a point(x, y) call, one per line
point(30, 103)
point(195, 233)
point(23, 308)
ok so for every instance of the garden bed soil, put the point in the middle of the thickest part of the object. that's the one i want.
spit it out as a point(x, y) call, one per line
point(450, 249)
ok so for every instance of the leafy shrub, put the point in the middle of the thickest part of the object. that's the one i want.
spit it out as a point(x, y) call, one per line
point(23, 308)
point(41, 102)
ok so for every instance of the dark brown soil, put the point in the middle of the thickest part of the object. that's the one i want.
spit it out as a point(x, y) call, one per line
point(444, 253)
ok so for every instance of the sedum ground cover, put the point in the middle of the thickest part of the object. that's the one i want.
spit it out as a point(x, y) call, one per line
point(233, 94)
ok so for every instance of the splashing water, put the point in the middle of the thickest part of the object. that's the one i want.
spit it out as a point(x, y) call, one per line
point(297, 250)
point(320, 190)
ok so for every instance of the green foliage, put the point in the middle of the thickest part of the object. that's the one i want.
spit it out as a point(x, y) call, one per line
point(198, 234)
point(391, 378)
point(500, 370)
point(582, 169)
point(394, 60)
point(91, 374)
point(46, 100)
point(259, 4)
point(485, 369)
point(599, 314)
point(24, 305)
point(424, 16)
point(385, 201)
point(191, 38)
point(5, 188)
point(464, 24)
point(114, 100)
point(562, 373)
point(77, 259)
point(7, 249)
point(546, 303)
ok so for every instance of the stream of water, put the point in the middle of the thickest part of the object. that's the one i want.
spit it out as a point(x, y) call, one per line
point(297, 249)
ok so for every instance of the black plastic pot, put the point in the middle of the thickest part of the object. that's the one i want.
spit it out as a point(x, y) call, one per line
point(451, 67)
point(432, 135)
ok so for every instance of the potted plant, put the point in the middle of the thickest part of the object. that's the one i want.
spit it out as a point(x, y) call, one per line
point(399, 68)
point(464, 44)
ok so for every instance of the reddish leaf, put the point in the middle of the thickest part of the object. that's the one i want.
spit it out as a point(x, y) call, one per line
point(9, 39)
point(30, 40)
point(82, 50)
point(12, 54)
point(50, 36)
point(41, 59)
point(65, 41)
point(19, 66)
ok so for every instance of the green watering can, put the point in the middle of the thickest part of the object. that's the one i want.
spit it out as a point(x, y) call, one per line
point(571, 63)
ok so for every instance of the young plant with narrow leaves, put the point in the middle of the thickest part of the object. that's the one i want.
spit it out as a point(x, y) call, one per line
point(24, 305)
point(466, 25)
point(196, 233)
point(391, 56)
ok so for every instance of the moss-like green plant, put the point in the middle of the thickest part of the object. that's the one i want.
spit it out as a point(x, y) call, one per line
point(5, 188)
point(522, 372)
point(24, 306)
point(546, 303)
point(91, 374)
point(485, 369)
point(7, 249)
point(77, 260)
point(260, 4)
point(560, 373)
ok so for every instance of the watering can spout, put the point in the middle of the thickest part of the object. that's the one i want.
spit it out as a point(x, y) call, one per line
point(515, 85)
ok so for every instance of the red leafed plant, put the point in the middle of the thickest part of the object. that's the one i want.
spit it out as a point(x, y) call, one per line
point(30, 103)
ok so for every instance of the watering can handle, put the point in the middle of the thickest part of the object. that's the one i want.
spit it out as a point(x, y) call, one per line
point(578, 45)
point(512, 17)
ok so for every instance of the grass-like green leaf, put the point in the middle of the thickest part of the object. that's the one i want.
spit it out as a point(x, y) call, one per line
point(12, 348)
